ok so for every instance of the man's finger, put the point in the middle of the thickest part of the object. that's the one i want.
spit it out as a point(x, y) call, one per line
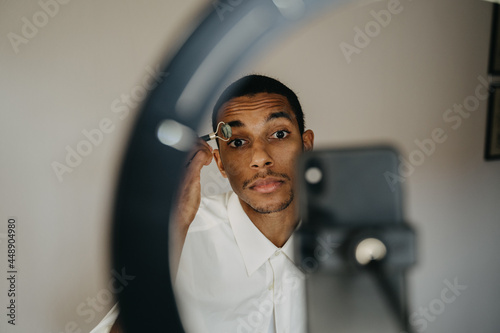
point(203, 154)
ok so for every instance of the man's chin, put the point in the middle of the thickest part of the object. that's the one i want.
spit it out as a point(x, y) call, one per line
point(269, 207)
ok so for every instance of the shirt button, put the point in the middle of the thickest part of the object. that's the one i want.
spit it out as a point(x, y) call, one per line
point(271, 286)
point(277, 253)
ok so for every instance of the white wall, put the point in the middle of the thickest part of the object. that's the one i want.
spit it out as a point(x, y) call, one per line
point(397, 90)
point(65, 79)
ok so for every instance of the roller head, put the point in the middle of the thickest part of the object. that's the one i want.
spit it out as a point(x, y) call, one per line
point(226, 131)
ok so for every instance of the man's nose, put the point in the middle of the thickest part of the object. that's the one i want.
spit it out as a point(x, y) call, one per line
point(260, 156)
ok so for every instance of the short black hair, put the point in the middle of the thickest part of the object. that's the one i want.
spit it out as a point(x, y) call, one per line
point(254, 84)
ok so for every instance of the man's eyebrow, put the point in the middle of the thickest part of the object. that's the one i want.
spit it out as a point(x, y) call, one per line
point(236, 123)
point(280, 114)
point(274, 115)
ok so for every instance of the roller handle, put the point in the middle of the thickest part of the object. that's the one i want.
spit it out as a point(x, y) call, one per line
point(208, 137)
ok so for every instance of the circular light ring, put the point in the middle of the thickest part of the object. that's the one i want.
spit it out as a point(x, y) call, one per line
point(151, 170)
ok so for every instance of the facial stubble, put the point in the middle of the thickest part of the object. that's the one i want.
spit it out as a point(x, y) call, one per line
point(268, 209)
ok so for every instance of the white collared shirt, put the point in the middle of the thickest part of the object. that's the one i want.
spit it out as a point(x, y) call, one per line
point(231, 278)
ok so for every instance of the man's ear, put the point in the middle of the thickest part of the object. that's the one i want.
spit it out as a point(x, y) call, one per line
point(219, 163)
point(308, 140)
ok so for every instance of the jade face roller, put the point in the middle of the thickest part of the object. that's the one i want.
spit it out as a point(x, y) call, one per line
point(225, 131)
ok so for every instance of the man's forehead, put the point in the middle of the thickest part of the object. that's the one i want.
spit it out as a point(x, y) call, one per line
point(262, 103)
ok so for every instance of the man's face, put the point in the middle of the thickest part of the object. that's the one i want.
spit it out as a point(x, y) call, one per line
point(259, 159)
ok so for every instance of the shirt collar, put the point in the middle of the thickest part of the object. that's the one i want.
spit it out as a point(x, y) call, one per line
point(255, 248)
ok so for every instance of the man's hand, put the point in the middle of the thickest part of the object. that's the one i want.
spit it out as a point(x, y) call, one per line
point(188, 199)
point(189, 195)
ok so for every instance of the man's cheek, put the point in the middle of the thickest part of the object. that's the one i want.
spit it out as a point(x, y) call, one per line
point(232, 168)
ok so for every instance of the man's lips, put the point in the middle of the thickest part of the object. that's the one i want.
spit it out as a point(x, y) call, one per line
point(266, 185)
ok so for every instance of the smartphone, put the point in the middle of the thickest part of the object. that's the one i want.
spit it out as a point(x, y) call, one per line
point(346, 196)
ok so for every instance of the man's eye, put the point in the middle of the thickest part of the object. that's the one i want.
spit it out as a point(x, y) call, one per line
point(280, 134)
point(236, 143)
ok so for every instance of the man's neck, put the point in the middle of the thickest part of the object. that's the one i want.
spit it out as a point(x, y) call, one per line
point(278, 226)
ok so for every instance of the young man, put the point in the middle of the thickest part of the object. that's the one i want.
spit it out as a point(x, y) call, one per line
point(234, 251)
